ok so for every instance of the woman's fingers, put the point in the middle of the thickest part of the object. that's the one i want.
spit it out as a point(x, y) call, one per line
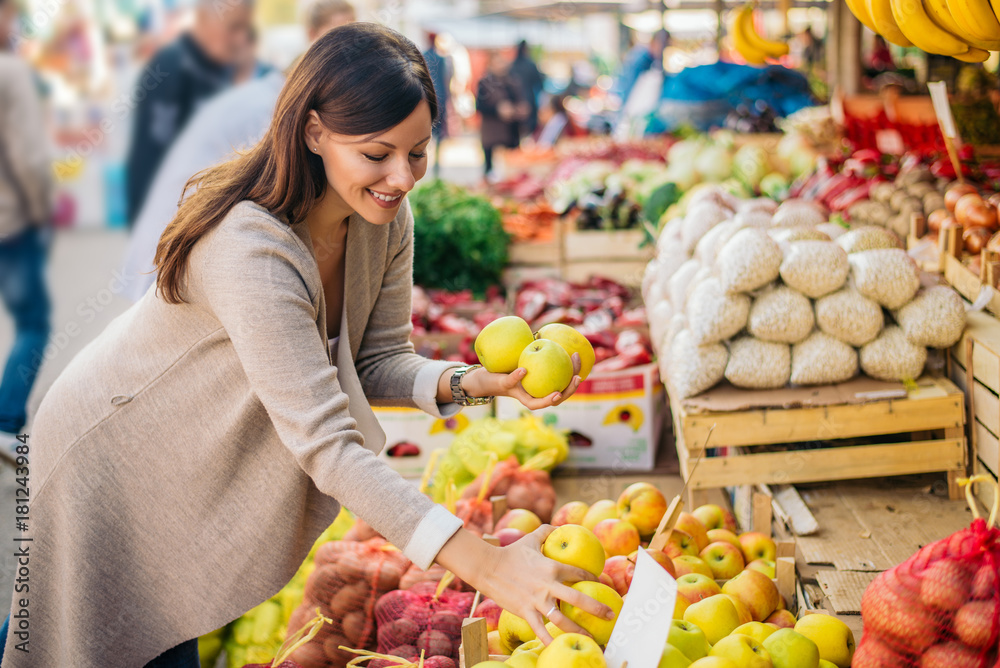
point(569, 391)
point(535, 539)
point(537, 624)
point(567, 573)
point(580, 600)
point(577, 365)
point(566, 624)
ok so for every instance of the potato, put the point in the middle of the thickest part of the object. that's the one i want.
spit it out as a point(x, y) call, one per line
point(447, 622)
point(310, 655)
point(356, 627)
point(349, 598)
point(387, 577)
point(321, 584)
point(351, 566)
point(435, 643)
point(329, 553)
point(331, 650)
point(390, 606)
point(439, 662)
point(403, 631)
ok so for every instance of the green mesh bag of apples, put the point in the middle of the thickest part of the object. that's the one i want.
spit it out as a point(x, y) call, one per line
point(941, 607)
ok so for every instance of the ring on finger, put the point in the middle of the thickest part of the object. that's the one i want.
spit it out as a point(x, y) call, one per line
point(548, 615)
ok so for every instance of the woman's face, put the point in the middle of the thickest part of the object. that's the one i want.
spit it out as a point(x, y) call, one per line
point(371, 174)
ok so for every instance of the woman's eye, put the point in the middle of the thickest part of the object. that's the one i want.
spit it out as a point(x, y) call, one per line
point(419, 156)
point(374, 158)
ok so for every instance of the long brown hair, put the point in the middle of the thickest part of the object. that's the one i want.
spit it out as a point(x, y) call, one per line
point(360, 78)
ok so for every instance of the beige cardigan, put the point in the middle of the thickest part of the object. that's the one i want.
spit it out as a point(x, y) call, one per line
point(186, 459)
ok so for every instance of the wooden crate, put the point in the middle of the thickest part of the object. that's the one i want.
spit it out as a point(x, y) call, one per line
point(975, 367)
point(936, 405)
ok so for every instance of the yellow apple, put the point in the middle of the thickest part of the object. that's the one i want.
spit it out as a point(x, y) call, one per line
point(741, 609)
point(833, 637)
point(685, 564)
point(744, 651)
point(789, 649)
point(549, 368)
point(680, 543)
point(759, 631)
point(757, 545)
point(765, 566)
point(573, 342)
point(726, 536)
point(823, 663)
point(572, 650)
point(692, 526)
point(493, 644)
point(757, 591)
point(673, 658)
point(523, 660)
point(490, 664)
point(518, 518)
point(553, 630)
point(570, 513)
point(500, 344)
point(713, 662)
point(715, 615)
point(695, 586)
point(715, 517)
point(618, 537)
point(599, 628)
point(643, 506)
point(576, 546)
point(681, 605)
point(605, 509)
point(725, 560)
point(514, 631)
point(688, 638)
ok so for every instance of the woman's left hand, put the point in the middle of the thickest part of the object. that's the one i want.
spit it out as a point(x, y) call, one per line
point(482, 383)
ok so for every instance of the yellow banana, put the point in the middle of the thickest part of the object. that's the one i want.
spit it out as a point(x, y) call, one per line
point(939, 13)
point(973, 55)
point(885, 25)
point(860, 11)
point(750, 53)
point(976, 18)
point(917, 26)
point(768, 47)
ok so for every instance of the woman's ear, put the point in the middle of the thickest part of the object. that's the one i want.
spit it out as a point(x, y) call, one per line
point(313, 131)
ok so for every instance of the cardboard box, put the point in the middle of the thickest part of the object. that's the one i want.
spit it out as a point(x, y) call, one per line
point(411, 425)
point(614, 418)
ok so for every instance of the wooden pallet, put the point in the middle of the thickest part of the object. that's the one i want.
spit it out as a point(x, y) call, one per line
point(936, 405)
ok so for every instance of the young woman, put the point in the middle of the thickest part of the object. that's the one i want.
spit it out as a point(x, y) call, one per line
point(185, 461)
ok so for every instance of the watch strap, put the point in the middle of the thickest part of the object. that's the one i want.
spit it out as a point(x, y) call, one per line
point(458, 395)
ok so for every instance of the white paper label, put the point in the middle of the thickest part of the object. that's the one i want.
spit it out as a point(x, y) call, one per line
point(644, 623)
point(939, 98)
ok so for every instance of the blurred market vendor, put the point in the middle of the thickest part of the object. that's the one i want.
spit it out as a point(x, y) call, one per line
point(185, 461)
point(502, 106)
point(176, 81)
point(234, 120)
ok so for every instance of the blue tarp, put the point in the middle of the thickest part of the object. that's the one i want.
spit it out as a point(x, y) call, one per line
point(702, 96)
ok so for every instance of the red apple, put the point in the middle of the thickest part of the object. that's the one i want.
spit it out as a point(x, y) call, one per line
point(782, 619)
point(715, 535)
point(951, 655)
point(508, 535)
point(945, 585)
point(692, 526)
point(643, 506)
point(976, 623)
point(680, 543)
point(757, 592)
point(489, 610)
point(715, 517)
point(619, 570)
point(570, 513)
point(765, 566)
point(658, 557)
point(618, 537)
point(984, 582)
point(519, 518)
point(685, 564)
point(757, 545)
point(725, 560)
point(695, 586)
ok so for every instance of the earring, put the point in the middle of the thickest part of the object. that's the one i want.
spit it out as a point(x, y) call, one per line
point(315, 149)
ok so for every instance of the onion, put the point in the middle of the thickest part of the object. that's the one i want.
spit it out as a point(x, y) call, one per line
point(972, 211)
point(974, 238)
point(994, 200)
point(955, 193)
point(934, 220)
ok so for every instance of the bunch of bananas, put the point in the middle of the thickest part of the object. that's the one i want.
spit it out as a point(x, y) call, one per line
point(749, 43)
point(964, 29)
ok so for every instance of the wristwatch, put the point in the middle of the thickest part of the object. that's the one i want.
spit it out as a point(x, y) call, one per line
point(458, 395)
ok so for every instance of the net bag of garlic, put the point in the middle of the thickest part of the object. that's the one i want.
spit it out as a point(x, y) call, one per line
point(695, 368)
point(749, 260)
point(758, 365)
point(348, 579)
point(867, 237)
point(713, 315)
point(680, 283)
point(849, 316)
point(794, 213)
point(887, 276)
point(708, 248)
point(700, 218)
point(781, 315)
point(814, 268)
point(426, 618)
point(893, 357)
point(940, 607)
point(786, 235)
point(822, 359)
point(935, 318)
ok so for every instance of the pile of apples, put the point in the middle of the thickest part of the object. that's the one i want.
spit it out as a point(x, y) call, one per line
point(507, 344)
point(728, 614)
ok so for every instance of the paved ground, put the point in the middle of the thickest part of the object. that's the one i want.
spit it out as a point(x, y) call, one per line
point(81, 278)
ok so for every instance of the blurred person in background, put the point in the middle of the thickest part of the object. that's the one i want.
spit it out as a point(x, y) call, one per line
point(557, 123)
point(25, 230)
point(524, 71)
point(176, 81)
point(640, 59)
point(235, 120)
point(500, 101)
point(250, 67)
point(441, 69)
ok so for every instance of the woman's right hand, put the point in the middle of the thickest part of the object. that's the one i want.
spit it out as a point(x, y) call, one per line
point(521, 580)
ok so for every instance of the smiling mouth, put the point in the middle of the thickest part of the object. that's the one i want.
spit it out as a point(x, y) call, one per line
point(383, 198)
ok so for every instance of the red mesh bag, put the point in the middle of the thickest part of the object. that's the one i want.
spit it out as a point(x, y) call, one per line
point(526, 486)
point(348, 579)
point(434, 574)
point(293, 642)
point(426, 618)
point(941, 607)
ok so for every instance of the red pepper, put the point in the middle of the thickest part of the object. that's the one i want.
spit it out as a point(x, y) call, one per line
point(837, 184)
point(844, 200)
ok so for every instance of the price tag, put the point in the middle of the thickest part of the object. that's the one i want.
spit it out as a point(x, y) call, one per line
point(890, 142)
point(644, 622)
point(942, 108)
